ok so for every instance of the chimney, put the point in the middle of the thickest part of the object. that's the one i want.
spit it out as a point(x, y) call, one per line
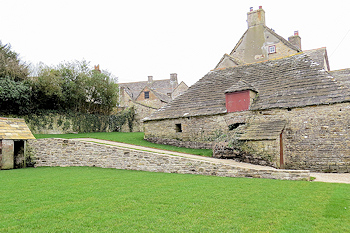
point(150, 79)
point(295, 40)
point(255, 18)
point(173, 77)
point(97, 68)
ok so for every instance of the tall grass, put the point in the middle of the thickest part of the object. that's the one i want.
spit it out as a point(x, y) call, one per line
point(136, 138)
point(90, 199)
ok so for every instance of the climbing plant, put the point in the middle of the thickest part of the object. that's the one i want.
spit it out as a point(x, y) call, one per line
point(69, 122)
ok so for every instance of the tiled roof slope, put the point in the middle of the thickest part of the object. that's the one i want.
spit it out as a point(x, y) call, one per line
point(161, 86)
point(269, 130)
point(14, 128)
point(293, 81)
point(342, 76)
point(133, 89)
point(241, 85)
point(319, 56)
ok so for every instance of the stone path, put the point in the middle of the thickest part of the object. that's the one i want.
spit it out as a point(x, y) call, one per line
point(320, 177)
point(331, 177)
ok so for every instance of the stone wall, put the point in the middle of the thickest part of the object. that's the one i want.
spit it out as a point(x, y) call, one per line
point(316, 138)
point(63, 152)
point(141, 111)
point(179, 143)
point(204, 129)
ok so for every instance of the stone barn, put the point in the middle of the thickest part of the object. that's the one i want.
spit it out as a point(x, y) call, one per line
point(267, 102)
point(14, 134)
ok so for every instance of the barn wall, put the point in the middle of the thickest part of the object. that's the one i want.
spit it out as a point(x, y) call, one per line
point(315, 138)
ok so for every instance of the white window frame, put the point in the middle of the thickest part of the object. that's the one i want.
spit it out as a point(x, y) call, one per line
point(272, 49)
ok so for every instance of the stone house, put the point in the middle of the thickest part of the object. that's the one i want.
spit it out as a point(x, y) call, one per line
point(148, 96)
point(14, 134)
point(268, 99)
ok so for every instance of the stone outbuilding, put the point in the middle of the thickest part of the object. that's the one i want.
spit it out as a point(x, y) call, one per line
point(269, 99)
point(14, 134)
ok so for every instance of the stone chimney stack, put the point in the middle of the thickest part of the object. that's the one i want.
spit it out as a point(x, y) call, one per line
point(295, 40)
point(150, 79)
point(97, 68)
point(256, 17)
point(173, 77)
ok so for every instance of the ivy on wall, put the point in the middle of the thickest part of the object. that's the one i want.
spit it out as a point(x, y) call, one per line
point(44, 121)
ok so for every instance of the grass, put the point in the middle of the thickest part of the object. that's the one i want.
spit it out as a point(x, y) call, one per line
point(91, 199)
point(130, 138)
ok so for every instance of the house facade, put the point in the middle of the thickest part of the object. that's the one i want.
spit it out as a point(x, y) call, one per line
point(269, 100)
point(148, 96)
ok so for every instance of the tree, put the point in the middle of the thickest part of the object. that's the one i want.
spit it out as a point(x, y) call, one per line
point(14, 88)
point(47, 89)
point(102, 92)
point(75, 86)
point(14, 96)
point(68, 86)
point(10, 64)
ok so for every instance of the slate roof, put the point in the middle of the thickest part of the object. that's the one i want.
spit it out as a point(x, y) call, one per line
point(162, 87)
point(14, 128)
point(269, 130)
point(293, 81)
point(161, 96)
point(319, 56)
point(342, 76)
point(230, 57)
point(241, 85)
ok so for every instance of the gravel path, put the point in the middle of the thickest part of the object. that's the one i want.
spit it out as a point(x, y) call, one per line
point(320, 177)
point(331, 177)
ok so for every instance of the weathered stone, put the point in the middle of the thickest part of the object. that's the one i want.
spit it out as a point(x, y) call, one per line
point(314, 137)
point(51, 152)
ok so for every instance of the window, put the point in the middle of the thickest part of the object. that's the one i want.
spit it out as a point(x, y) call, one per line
point(178, 128)
point(272, 49)
point(146, 94)
point(235, 126)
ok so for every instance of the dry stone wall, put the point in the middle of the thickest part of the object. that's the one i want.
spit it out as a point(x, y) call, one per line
point(63, 152)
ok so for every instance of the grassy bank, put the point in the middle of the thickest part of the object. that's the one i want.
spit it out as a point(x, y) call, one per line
point(90, 199)
point(130, 138)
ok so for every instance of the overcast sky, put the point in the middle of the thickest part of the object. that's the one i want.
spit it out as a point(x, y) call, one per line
point(135, 39)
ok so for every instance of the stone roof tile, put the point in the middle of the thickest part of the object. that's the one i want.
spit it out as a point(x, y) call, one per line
point(269, 130)
point(293, 81)
point(241, 85)
point(164, 87)
point(14, 128)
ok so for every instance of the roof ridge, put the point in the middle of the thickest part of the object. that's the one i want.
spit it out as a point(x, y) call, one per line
point(146, 81)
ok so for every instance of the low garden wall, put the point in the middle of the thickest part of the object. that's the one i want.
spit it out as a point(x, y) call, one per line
point(64, 152)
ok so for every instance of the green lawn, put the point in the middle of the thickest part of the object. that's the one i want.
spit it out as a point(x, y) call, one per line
point(91, 199)
point(130, 138)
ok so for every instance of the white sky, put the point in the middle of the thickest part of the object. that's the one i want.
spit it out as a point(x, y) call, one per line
point(136, 38)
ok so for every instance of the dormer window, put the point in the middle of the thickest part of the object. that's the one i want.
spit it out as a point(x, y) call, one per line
point(239, 96)
point(146, 94)
point(272, 49)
